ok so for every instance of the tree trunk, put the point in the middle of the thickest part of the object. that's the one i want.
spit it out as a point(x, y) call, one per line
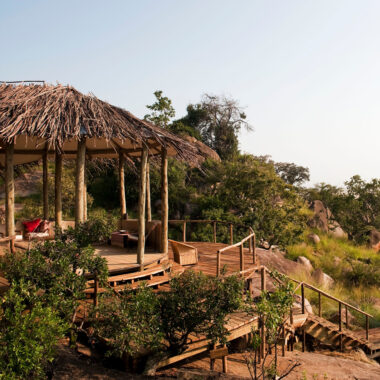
point(123, 203)
point(9, 191)
point(58, 189)
point(148, 200)
point(79, 185)
point(45, 190)
point(164, 201)
point(142, 200)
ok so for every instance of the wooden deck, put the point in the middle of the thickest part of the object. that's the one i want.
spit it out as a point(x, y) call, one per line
point(207, 258)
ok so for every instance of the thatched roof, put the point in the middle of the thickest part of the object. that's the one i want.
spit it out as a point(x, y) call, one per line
point(38, 117)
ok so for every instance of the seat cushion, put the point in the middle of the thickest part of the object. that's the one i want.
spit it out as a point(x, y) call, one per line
point(31, 225)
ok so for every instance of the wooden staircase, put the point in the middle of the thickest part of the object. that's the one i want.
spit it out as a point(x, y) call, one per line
point(339, 338)
point(153, 277)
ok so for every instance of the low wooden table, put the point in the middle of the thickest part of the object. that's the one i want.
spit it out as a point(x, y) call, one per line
point(119, 239)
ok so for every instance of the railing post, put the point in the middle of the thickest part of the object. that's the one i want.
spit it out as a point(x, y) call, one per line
point(218, 263)
point(263, 280)
point(231, 234)
point(214, 232)
point(241, 257)
point(96, 289)
point(254, 250)
point(250, 245)
point(340, 328)
point(303, 298)
point(346, 317)
point(184, 232)
point(367, 327)
point(319, 304)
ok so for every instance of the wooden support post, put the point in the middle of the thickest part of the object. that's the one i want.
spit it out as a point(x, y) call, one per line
point(85, 198)
point(96, 289)
point(184, 232)
point(45, 190)
point(340, 328)
point(58, 189)
point(148, 199)
point(164, 201)
point(303, 298)
point(346, 317)
point(224, 362)
point(231, 234)
point(254, 257)
point(123, 203)
point(214, 232)
point(283, 340)
point(263, 280)
point(142, 199)
point(367, 327)
point(79, 185)
point(241, 249)
point(9, 191)
point(303, 339)
point(319, 304)
point(250, 246)
point(218, 258)
point(263, 339)
point(212, 361)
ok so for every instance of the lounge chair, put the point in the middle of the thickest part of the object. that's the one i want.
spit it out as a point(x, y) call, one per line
point(184, 254)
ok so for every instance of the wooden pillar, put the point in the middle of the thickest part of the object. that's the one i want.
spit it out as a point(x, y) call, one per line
point(148, 199)
point(241, 250)
point(85, 198)
point(123, 203)
point(214, 232)
point(184, 232)
point(142, 197)
point(164, 201)
point(79, 184)
point(263, 280)
point(58, 189)
point(9, 191)
point(231, 234)
point(45, 191)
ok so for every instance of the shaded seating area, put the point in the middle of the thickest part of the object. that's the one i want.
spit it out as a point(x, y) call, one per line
point(41, 122)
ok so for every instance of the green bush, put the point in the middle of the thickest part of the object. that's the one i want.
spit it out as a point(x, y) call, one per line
point(29, 331)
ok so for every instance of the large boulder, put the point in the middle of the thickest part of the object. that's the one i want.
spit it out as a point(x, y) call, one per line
point(322, 278)
point(305, 262)
point(314, 238)
point(323, 220)
point(374, 239)
point(297, 305)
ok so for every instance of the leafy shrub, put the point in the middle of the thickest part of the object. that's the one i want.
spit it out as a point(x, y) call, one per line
point(29, 331)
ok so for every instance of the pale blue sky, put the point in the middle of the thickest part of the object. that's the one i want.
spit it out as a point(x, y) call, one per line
point(308, 72)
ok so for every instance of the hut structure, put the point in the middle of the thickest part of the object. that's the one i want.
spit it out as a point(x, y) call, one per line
point(41, 122)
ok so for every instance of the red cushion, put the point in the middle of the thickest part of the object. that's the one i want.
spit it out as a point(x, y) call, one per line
point(31, 225)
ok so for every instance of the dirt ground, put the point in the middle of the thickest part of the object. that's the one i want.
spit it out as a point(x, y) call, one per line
point(314, 366)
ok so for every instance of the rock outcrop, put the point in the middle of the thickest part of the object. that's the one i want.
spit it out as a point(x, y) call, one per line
point(322, 278)
point(305, 262)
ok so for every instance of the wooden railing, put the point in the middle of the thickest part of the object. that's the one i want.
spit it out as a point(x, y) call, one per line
point(251, 239)
point(213, 223)
point(302, 285)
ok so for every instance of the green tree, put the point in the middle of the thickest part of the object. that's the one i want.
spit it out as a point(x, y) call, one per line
point(162, 110)
point(291, 173)
point(29, 332)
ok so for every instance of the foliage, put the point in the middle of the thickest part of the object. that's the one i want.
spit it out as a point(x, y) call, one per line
point(198, 304)
point(131, 321)
point(57, 268)
point(33, 206)
point(29, 331)
point(356, 207)
point(162, 110)
point(272, 309)
point(144, 320)
point(217, 120)
point(291, 173)
point(249, 190)
point(354, 268)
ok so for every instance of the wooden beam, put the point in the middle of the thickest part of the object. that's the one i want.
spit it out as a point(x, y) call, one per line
point(164, 201)
point(58, 189)
point(142, 200)
point(79, 184)
point(45, 190)
point(9, 191)
point(148, 199)
point(123, 202)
